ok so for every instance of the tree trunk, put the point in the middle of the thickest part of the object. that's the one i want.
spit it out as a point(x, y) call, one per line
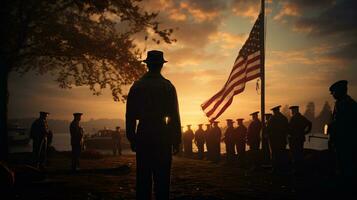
point(4, 97)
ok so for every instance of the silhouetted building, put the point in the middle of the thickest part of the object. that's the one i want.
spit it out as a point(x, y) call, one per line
point(152, 101)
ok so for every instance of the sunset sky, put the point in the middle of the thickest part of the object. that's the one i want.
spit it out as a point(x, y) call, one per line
point(309, 45)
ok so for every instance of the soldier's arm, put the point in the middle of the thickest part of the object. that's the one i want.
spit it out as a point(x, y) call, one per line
point(175, 122)
point(130, 116)
point(308, 126)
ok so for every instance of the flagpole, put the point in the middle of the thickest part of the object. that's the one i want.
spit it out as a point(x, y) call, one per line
point(262, 78)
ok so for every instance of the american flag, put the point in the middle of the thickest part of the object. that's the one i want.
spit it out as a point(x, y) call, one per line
point(247, 66)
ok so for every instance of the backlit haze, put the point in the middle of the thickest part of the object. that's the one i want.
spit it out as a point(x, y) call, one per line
point(309, 45)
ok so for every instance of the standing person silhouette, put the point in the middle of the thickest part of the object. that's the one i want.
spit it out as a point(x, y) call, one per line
point(343, 136)
point(153, 128)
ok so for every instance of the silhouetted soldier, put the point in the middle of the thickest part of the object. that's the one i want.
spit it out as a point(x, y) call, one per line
point(265, 139)
point(188, 136)
point(299, 126)
point(208, 138)
point(39, 133)
point(77, 133)
point(116, 137)
point(216, 135)
point(152, 100)
point(278, 127)
point(200, 141)
point(229, 140)
point(241, 138)
point(253, 136)
point(343, 133)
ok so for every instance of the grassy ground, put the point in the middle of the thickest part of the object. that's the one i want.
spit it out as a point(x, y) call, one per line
point(110, 177)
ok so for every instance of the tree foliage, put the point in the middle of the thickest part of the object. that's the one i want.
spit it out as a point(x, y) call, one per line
point(80, 42)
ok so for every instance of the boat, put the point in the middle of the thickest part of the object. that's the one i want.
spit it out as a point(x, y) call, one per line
point(18, 135)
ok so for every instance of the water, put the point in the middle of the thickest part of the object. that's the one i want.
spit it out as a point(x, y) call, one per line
point(62, 142)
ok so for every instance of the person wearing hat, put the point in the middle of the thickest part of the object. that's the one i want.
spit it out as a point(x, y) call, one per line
point(229, 140)
point(241, 138)
point(216, 135)
point(39, 134)
point(253, 138)
point(265, 138)
point(200, 141)
point(253, 134)
point(299, 126)
point(152, 102)
point(278, 128)
point(116, 137)
point(188, 136)
point(342, 131)
point(77, 133)
point(208, 139)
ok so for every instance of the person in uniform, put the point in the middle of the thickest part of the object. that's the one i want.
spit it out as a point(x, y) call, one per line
point(253, 134)
point(152, 102)
point(265, 139)
point(188, 136)
point(116, 137)
point(77, 133)
point(299, 126)
point(216, 135)
point(343, 137)
point(240, 138)
point(39, 134)
point(200, 141)
point(208, 140)
point(229, 140)
point(278, 128)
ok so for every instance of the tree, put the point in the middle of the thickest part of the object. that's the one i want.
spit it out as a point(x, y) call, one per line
point(80, 42)
point(310, 114)
point(324, 117)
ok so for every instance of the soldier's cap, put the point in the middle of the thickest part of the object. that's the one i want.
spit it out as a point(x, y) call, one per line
point(254, 113)
point(229, 120)
point(188, 125)
point(268, 114)
point(117, 127)
point(155, 56)
point(200, 124)
point(294, 107)
point(77, 114)
point(215, 122)
point(44, 113)
point(341, 84)
point(276, 107)
point(240, 119)
point(208, 124)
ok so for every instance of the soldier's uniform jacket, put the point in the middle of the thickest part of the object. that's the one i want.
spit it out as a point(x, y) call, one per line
point(240, 134)
point(188, 136)
point(216, 134)
point(152, 100)
point(76, 132)
point(278, 127)
point(344, 122)
point(200, 136)
point(297, 127)
point(253, 134)
point(39, 129)
point(229, 135)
